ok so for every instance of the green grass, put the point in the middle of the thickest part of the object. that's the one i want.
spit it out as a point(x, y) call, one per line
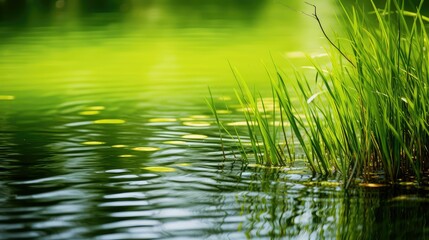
point(367, 114)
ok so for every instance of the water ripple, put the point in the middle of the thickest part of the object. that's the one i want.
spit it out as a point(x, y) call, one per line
point(130, 223)
point(124, 203)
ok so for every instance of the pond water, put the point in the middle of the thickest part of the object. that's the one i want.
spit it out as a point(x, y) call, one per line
point(105, 132)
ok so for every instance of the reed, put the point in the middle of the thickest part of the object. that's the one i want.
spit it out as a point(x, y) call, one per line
point(367, 114)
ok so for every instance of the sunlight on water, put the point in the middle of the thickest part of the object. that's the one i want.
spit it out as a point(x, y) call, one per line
point(146, 149)
point(196, 124)
point(6, 97)
point(95, 108)
point(160, 169)
point(119, 146)
point(161, 120)
point(93, 143)
point(194, 136)
point(89, 113)
point(109, 121)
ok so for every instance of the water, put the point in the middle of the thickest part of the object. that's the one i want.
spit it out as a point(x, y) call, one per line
point(105, 133)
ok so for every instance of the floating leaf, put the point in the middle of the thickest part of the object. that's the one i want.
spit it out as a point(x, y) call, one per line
point(162, 120)
point(194, 136)
point(95, 108)
point(146, 149)
point(199, 116)
point(119, 146)
point(93, 143)
point(126, 155)
point(160, 169)
point(7, 97)
point(109, 121)
point(87, 113)
point(196, 124)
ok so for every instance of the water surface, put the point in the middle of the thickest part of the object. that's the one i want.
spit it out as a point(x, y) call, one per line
point(105, 132)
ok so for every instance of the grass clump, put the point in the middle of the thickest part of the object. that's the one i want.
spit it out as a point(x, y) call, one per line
point(367, 114)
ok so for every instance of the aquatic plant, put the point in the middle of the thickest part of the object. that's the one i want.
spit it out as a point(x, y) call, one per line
point(365, 114)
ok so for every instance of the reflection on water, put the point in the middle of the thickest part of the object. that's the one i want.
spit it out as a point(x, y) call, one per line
point(105, 134)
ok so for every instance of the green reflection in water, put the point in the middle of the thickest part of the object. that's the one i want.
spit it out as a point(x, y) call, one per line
point(277, 205)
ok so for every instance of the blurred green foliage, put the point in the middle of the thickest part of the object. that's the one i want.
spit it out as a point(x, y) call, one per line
point(30, 11)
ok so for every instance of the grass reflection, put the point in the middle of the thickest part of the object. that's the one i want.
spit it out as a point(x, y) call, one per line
point(275, 207)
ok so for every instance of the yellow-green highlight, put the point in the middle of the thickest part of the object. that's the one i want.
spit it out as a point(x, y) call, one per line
point(89, 113)
point(7, 97)
point(119, 146)
point(194, 136)
point(196, 124)
point(162, 120)
point(93, 143)
point(146, 149)
point(109, 121)
point(160, 169)
point(95, 108)
point(199, 117)
point(223, 111)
